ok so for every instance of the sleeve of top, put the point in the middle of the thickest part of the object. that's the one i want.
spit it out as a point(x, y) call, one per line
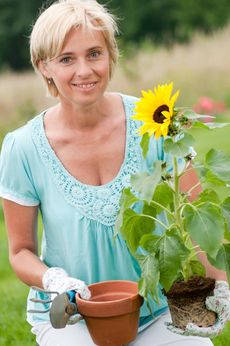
point(16, 183)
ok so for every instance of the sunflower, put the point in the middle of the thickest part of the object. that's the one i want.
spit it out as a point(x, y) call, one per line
point(155, 109)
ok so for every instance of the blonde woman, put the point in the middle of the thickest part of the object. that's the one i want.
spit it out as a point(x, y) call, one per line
point(71, 162)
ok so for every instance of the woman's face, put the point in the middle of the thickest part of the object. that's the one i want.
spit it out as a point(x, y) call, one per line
point(81, 71)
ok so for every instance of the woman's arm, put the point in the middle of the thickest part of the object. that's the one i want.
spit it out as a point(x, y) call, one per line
point(21, 224)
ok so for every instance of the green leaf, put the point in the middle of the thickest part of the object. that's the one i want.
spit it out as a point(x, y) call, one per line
point(145, 144)
point(149, 209)
point(163, 195)
point(181, 148)
point(213, 180)
point(227, 234)
point(209, 125)
point(226, 251)
point(127, 199)
point(208, 195)
point(218, 162)
point(149, 241)
point(134, 227)
point(200, 169)
point(150, 276)
point(172, 255)
point(190, 114)
point(219, 261)
point(225, 206)
point(145, 184)
point(222, 260)
point(199, 125)
point(205, 225)
point(213, 126)
point(197, 268)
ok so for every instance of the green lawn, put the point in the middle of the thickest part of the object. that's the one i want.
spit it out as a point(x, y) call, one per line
point(14, 331)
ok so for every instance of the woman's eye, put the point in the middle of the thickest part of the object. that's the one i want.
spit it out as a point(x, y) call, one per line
point(66, 60)
point(95, 54)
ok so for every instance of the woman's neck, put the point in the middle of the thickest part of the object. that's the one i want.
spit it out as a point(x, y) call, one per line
point(83, 118)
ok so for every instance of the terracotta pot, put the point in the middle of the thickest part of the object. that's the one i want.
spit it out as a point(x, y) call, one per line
point(186, 302)
point(112, 313)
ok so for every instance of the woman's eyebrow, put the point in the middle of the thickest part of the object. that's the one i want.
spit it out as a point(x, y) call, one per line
point(65, 53)
point(96, 47)
point(72, 53)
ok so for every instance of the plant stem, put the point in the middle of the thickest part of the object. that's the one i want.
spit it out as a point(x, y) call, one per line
point(162, 207)
point(193, 187)
point(176, 196)
point(181, 208)
point(196, 253)
point(153, 218)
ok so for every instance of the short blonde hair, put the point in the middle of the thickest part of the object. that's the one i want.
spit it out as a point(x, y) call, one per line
point(54, 24)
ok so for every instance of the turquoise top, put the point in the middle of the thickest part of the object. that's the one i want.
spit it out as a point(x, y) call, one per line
point(78, 219)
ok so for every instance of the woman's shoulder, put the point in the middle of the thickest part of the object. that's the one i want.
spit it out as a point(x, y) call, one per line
point(21, 137)
point(129, 99)
point(129, 103)
point(125, 97)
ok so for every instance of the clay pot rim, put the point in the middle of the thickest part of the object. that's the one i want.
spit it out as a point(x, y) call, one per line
point(110, 308)
point(132, 296)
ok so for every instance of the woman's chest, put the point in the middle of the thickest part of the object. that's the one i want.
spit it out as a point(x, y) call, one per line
point(93, 161)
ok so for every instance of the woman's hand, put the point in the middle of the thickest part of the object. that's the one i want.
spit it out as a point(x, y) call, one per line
point(219, 303)
point(56, 279)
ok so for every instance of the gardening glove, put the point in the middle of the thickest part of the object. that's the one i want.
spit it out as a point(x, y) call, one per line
point(57, 280)
point(219, 303)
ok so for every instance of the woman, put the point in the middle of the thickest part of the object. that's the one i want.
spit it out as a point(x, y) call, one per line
point(71, 162)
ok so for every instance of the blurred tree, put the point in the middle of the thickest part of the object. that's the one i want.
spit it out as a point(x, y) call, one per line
point(167, 21)
point(163, 21)
point(15, 23)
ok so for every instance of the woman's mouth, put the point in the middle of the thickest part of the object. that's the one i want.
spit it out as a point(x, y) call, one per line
point(84, 86)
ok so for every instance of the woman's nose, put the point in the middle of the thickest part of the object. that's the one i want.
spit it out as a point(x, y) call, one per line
point(83, 68)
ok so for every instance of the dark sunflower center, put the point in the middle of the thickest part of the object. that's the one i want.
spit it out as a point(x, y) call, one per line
point(158, 117)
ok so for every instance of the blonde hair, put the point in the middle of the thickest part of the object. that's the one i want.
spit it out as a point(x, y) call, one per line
point(54, 24)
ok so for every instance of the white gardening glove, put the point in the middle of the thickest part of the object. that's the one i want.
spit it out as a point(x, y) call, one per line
point(57, 280)
point(219, 303)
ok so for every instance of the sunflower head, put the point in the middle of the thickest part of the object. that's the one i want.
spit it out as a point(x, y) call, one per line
point(155, 110)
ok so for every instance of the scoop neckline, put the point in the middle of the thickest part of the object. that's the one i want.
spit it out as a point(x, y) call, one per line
point(66, 172)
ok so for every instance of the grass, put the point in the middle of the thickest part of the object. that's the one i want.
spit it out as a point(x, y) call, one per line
point(198, 69)
point(14, 330)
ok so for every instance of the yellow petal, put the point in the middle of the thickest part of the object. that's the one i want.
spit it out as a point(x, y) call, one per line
point(158, 133)
point(174, 98)
point(164, 130)
point(166, 114)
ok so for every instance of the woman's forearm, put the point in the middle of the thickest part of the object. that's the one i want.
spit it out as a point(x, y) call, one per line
point(21, 225)
point(28, 267)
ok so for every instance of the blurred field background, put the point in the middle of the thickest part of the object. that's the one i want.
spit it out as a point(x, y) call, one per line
point(199, 68)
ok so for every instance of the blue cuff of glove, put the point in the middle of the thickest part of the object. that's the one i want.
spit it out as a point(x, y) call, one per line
point(71, 295)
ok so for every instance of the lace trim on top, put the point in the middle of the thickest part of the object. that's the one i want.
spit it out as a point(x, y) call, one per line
point(100, 203)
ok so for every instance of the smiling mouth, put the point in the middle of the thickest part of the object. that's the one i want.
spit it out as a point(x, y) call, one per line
point(85, 85)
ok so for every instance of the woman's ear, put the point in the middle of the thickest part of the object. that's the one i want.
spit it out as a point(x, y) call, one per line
point(42, 67)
